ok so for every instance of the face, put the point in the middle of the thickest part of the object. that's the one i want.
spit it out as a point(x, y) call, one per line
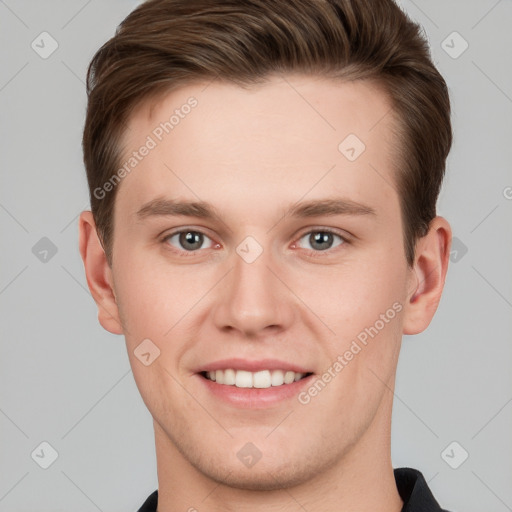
point(257, 242)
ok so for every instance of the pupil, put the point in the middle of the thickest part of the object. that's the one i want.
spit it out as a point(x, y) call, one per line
point(321, 240)
point(191, 240)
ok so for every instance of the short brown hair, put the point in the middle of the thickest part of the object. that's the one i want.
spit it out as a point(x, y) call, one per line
point(165, 44)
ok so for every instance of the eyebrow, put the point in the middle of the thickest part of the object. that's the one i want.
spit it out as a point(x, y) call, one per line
point(314, 208)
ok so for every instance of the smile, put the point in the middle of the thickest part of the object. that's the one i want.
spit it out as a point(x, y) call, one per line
point(260, 379)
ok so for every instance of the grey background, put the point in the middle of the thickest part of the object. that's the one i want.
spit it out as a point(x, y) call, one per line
point(66, 381)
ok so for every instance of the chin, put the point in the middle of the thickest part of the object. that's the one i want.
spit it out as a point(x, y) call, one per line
point(261, 477)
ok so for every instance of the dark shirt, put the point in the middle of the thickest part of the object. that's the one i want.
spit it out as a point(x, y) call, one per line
point(410, 483)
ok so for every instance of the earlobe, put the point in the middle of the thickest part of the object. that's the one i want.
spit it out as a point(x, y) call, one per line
point(427, 276)
point(98, 274)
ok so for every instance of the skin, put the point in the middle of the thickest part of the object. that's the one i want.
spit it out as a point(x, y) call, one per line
point(253, 153)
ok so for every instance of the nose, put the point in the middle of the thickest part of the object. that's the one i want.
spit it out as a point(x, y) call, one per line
point(253, 299)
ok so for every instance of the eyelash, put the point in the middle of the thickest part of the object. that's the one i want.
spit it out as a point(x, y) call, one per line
point(187, 254)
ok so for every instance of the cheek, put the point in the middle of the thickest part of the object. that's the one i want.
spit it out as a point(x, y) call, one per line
point(154, 302)
point(351, 297)
point(161, 303)
point(154, 296)
point(362, 303)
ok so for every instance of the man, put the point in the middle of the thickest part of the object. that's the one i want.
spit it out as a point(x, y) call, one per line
point(263, 180)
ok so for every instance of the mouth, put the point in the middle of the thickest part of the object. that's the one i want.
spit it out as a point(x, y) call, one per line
point(262, 379)
point(253, 384)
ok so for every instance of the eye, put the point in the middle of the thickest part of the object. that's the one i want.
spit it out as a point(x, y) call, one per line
point(321, 240)
point(189, 240)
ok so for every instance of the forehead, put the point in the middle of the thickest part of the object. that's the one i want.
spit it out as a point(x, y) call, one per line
point(289, 137)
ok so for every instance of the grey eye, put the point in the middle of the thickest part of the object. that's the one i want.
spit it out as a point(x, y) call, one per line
point(321, 240)
point(189, 240)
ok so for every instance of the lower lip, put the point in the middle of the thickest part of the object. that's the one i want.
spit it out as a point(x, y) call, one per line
point(255, 398)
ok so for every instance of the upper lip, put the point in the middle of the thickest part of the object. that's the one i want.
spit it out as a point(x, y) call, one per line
point(252, 366)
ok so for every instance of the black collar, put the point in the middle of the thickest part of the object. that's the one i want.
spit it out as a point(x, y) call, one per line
point(414, 491)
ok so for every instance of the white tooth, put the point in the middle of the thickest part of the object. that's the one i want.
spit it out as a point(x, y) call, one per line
point(243, 379)
point(229, 377)
point(277, 378)
point(289, 377)
point(262, 379)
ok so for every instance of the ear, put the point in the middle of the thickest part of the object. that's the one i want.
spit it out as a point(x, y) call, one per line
point(98, 274)
point(427, 276)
